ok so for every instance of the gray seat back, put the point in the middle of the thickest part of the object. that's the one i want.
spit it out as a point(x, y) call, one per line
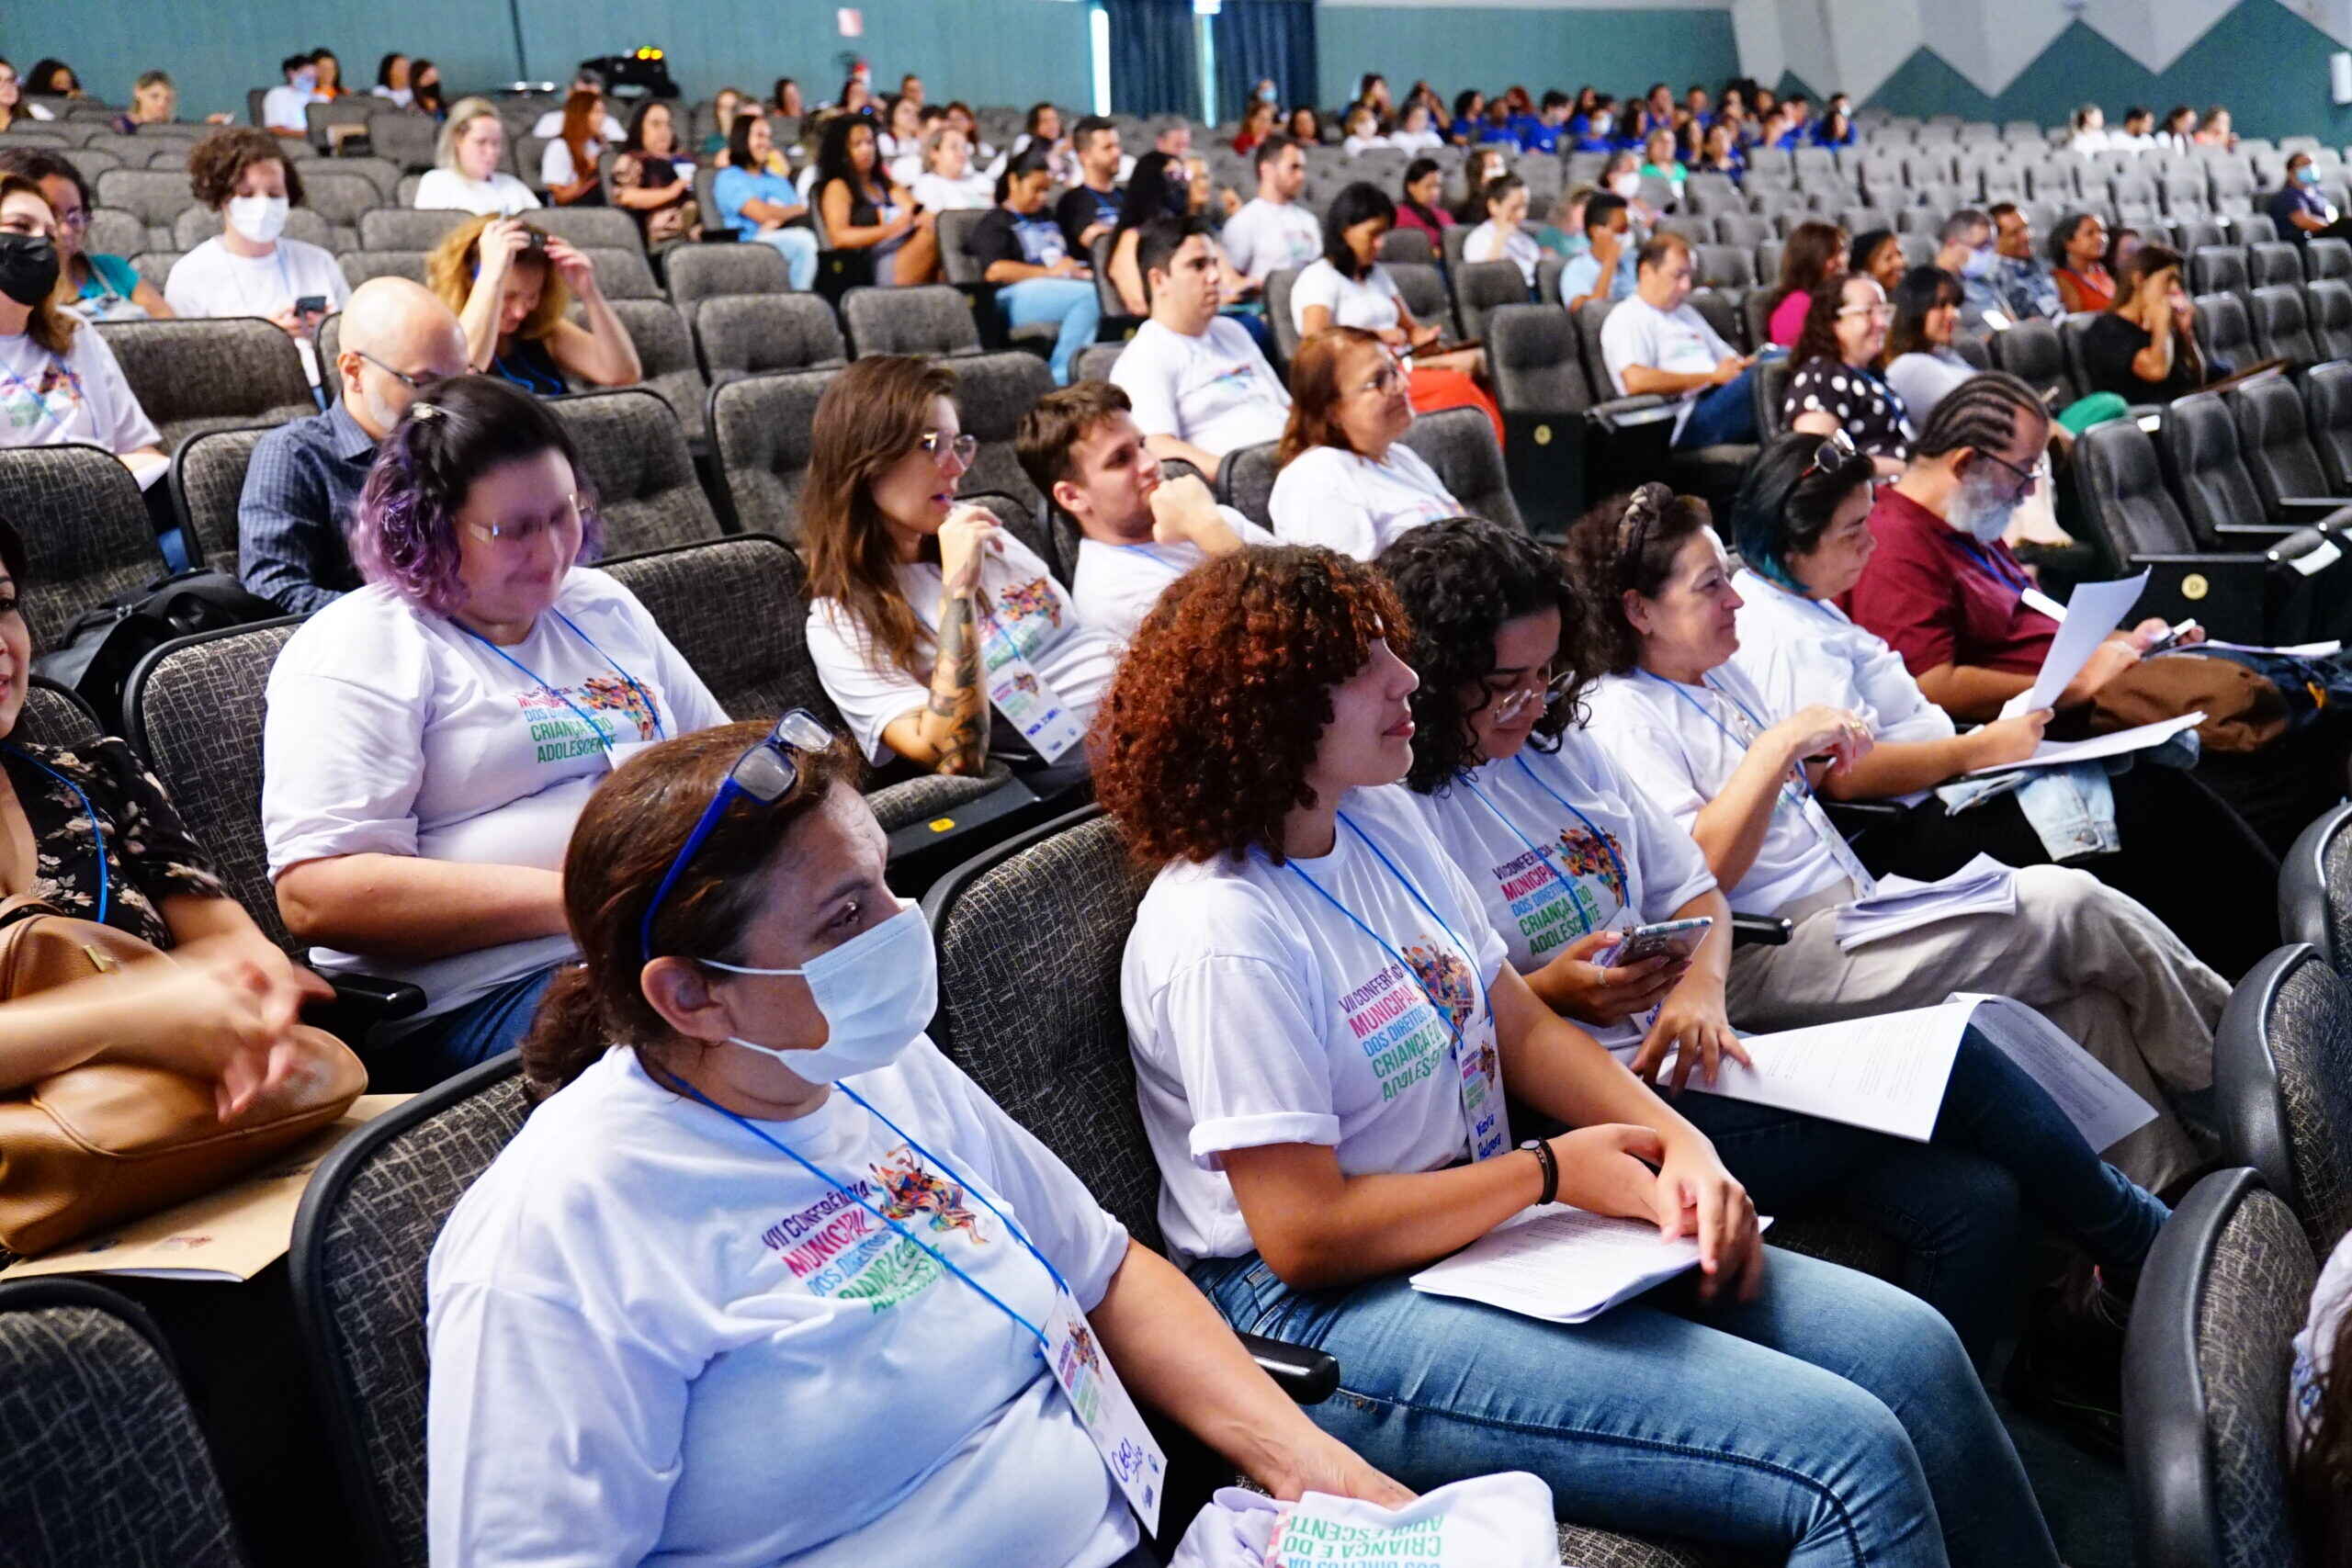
point(1459, 443)
point(748, 334)
point(211, 374)
point(932, 319)
point(84, 528)
point(207, 479)
point(633, 455)
point(2282, 1086)
point(760, 431)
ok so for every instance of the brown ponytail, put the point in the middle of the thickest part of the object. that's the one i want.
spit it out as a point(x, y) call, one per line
point(630, 830)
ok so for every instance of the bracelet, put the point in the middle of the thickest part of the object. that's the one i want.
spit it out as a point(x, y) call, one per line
point(1551, 1164)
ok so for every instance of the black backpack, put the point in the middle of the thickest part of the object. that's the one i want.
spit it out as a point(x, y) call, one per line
point(103, 645)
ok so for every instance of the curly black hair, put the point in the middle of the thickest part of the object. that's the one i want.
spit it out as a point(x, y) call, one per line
point(1459, 581)
point(1628, 542)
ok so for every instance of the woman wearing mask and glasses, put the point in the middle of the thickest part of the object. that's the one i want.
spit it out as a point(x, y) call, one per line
point(941, 639)
point(249, 269)
point(760, 1245)
point(431, 737)
point(100, 287)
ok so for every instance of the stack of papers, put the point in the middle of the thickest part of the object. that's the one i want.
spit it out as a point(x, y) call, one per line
point(2058, 754)
point(1982, 886)
point(1560, 1264)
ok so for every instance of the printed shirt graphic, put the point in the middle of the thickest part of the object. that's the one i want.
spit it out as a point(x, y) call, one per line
point(81, 397)
point(679, 1345)
point(1259, 1015)
point(1534, 912)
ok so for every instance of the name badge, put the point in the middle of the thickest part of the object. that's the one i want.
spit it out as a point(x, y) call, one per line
point(1076, 1360)
point(1839, 849)
point(1482, 1101)
point(1028, 700)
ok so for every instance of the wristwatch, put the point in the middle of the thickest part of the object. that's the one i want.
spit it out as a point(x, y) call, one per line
point(1551, 1164)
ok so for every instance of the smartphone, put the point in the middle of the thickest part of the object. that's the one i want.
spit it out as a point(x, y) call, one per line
point(2171, 639)
point(1668, 939)
point(310, 305)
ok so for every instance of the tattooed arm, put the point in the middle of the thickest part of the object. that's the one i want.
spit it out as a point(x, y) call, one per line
point(950, 733)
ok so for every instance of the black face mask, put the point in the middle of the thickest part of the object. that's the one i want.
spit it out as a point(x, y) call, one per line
point(27, 267)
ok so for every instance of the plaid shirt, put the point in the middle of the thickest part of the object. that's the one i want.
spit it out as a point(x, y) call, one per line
point(299, 490)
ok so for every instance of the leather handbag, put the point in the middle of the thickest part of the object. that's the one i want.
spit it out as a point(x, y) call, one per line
point(106, 1141)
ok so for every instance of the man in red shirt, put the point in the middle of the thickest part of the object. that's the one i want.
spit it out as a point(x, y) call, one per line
point(1942, 589)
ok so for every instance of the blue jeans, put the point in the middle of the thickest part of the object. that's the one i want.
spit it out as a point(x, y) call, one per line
point(1723, 415)
point(799, 249)
point(441, 1047)
point(2001, 1147)
point(1070, 300)
point(1835, 1420)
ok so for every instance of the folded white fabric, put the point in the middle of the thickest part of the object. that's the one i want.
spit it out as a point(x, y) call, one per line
point(1490, 1521)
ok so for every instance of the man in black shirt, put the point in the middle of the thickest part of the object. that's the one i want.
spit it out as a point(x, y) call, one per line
point(1090, 209)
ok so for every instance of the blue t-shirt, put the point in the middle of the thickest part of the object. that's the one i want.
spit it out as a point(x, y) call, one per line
point(1534, 136)
point(105, 293)
point(733, 188)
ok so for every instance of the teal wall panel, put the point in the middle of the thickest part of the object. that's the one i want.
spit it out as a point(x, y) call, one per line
point(1619, 50)
point(2268, 64)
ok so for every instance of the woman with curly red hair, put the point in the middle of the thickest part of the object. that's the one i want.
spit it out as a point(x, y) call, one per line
point(923, 614)
point(1324, 1023)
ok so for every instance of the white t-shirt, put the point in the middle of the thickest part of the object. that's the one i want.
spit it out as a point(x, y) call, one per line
point(1259, 1015)
point(1116, 585)
point(1681, 342)
point(1797, 651)
point(1488, 243)
point(394, 731)
point(655, 1337)
point(2315, 1342)
point(400, 96)
point(282, 108)
point(1354, 505)
point(936, 193)
point(1355, 144)
point(1415, 141)
point(556, 167)
point(1215, 390)
point(550, 126)
point(1369, 302)
point(1538, 905)
point(1681, 757)
point(1017, 593)
point(446, 190)
point(211, 281)
point(80, 398)
point(1266, 236)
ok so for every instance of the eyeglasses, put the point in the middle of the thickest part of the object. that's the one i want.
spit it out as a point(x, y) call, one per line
point(937, 444)
point(764, 775)
point(1832, 455)
point(2027, 478)
point(76, 220)
point(1384, 381)
point(419, 383)
point(1877, 310)
point(1549, 684)
point(522, 531)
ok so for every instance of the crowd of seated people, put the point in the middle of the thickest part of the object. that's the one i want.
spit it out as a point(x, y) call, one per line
point(1381, 762)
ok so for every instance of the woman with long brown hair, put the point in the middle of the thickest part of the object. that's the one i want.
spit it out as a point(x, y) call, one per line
point(760, 1240)
point(568, 164)
point(923, 614)
point(1815, 252)
point(512, 285)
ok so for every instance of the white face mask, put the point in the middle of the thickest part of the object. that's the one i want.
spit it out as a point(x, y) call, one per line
point(877, 991)
point(260, 219)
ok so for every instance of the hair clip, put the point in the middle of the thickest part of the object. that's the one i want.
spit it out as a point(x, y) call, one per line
point(422, 410)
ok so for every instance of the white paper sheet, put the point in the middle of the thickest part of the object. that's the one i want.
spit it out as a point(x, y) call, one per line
point(1886, 1073)
point(1560, 1264)
point(2096, 609)
point(2101, 1106)
point(1982, 886)
point(2057, 753)
point(2304, 650)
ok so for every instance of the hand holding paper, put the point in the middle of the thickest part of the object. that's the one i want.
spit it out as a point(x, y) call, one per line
point(2096, 609)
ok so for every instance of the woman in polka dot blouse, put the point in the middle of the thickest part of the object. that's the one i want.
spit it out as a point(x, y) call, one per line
point(1836, 385)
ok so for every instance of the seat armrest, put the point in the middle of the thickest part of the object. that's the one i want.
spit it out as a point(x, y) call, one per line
point(1310, 1377)
point(1760, 931)
point(2328, 513)
point(1628, 414)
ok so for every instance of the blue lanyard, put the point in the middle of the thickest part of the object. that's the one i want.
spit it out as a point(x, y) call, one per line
point(1676, 688)
point(35, 393)
point(594, 729)
point(1995, 565)
point(852, 1193)
point(1144, 552)
point(97, 830)
point(1624, 882)
point(1395, 957)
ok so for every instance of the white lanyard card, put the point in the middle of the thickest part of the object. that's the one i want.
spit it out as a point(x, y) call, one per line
point(1075, 1357)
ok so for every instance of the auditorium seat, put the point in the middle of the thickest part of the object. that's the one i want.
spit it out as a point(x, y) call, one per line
point(103, 1461)
point(1459, 444)
point(1423, 288)
point(2225, 331)
point(359, 266)
point(1408, 245)
point(697, 272)
point(748, 334)
point(2205, 1379)
point(1279, 320)
point(1480, 287)
point(594, 229)
point(993, 391)
point(207, 479)
point(156, 196)
point(2326, 257)
point(1095, 364)
point(634, 457)
point(1244, 481)
point(2277, 261)
point(2327, 402)
point(622, 273)
point(405, 229)
point(2205, 464)
point(759, 432)
point(2274, 434)
point(933, 319)
point(2315, 889)
point(113, 232)
point(85, 531)
point(2282, 1086)
point(665, 356)
point(2281, 323)
point(212, 374)
point(2218, 269)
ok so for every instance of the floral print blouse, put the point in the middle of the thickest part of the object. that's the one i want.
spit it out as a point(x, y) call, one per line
point(149, 855)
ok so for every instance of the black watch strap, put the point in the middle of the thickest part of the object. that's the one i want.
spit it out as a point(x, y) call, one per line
point(1551, 1164)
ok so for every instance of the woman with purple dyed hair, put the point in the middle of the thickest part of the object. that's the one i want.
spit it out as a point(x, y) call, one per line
point(431, 737)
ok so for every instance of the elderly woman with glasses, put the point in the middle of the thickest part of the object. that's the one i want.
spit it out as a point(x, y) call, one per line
point(1836, 388)
point(431, 737)
point(1568, 854)
point(1347, 481)
point(940, 638)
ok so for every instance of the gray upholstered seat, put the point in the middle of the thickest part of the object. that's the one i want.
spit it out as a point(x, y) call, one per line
point(2206, 466)
point(193, 709)
point(592, 227)
point(2274, 434)
point(748, 334)
point(665, 354)
point(340, 196)
point(1278, 312)
point(2205, 1377)
point(932, 319)
point(54, 717)
point(359, 266)
point(759, 430)
point(2218, 269)
point(208, 480)
point(2281, 323)
point(102, 1461)
point(2326, 257)
point(697, 272)
point(2327, 398)
point(2282, 1080)
point(993, 393)
point(621, 271)
point(1480, 287)
point(85, 531)
point(2031, 351)
point(2226, 331)
point(1423, 288)
point(1459, 443)
point(1532, 354)
point(2315, 889)
point(210, 374)
point(2328, 301)
point(1244, 481)
point(1408, 245)
point(112, 232)
point(959, 266)
point(406, 229)
point(156, 196)
point(1094, 364)
point(2274, 261)
point(633, 454)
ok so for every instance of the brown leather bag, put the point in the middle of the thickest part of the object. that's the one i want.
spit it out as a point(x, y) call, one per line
point(2244, 712)
point(106, 1141)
